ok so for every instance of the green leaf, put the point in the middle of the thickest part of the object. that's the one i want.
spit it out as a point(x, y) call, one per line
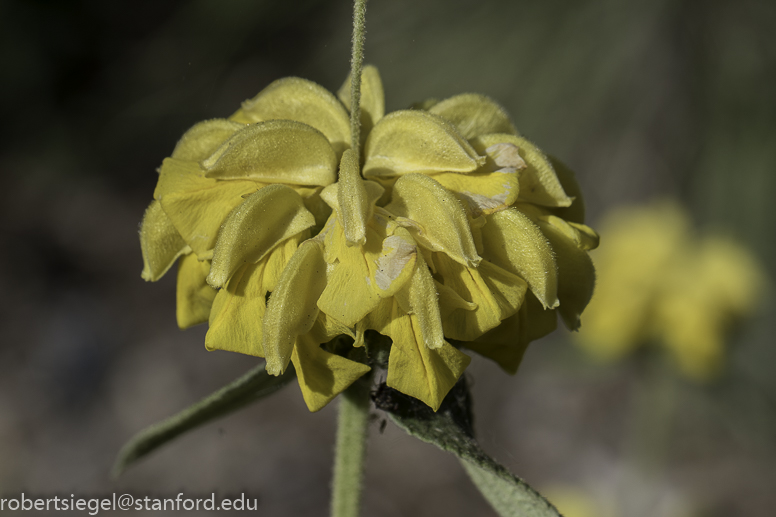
point(450, 429)
point(249, 388)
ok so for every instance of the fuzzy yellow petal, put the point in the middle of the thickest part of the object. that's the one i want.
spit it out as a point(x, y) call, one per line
point(474, 114)
point(372, 98)
point(204, 138)
point(538, 182)
point(197, 205)
point(292, 309)
point(516, 244)
point(416, 141)
point(160, 243)
point(485, 192)
point(392, 263)
point(356, 198)
point(419, 297)
point(304, 101)
point(194, 296)
point(444, 225)
point(418, 371)
point(349, 295)
point(278, 258)
point(322, 375)
point(576, 275)
point(252, 229)
point(576, 212)
point(507, 343)
point(276, 151)
point(237, 312)
point(461, 322)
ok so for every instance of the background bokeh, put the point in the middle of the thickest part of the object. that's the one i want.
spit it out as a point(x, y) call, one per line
point(642, 98)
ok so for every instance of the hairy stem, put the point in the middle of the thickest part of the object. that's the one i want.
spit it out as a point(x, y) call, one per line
point(356, 63)
point(350, 452)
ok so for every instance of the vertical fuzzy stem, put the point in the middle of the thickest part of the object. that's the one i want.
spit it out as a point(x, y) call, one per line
point(353, 420)
point(356, 63)
point(352, 427)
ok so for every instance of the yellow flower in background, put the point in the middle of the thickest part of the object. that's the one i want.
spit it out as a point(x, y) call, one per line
point(451, 231)
point(659, 282)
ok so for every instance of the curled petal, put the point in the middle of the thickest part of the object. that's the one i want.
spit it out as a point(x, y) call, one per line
point(462, 323)
point(576, 212)
point(417, 141)
point(507, 343)
point(301, 100)
point(194, 296)
point(204, 138)
point(238, 309)
point(237, 312)
point(393, 263)
point(419, 298)
point(576, 275)
point(583, 237)
point(197, 205)
point(538, 182)
point(321, 374)
point(160, 243)
point(292, 309)
point(276, 151)
point(372, 98)
point(416, 370)
point(440, 222)
point(513, 242)
point(349, 295)
point(485, 192)
point(253, 228)
point(474, 114)
point(356, 198)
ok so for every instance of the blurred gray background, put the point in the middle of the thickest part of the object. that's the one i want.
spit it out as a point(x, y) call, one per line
point(642, 98)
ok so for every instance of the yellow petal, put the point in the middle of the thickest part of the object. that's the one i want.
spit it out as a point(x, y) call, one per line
point(252, 229)
point(576, 275)
point(419, 298)
point(372, 99)
point(576, 212)
point(381, 317)
point(485, 192)
point(237, 312)
point(276, 151)
point(513, 242)
point(584, 237)
point(292, 309)
point(418, 371)
point(417, 141)
point(538, 182)
point(506, 288)
point(194, 297)
point(304, 101)
point(160, 243)
point(443, 221)
point(279, 257)
point(392, 262)
point(356, 198)
point(322, 375)
point(349, 295)
point(474, 114)
point(204, 138)
point(197, 205)
point(507, 343)
point(461, 323)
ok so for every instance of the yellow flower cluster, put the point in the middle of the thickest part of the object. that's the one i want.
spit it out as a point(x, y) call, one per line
point(658, 282)
point(451, 227)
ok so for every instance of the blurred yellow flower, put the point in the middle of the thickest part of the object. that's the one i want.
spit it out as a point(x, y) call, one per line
point(451, 227)
point(659, 282)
